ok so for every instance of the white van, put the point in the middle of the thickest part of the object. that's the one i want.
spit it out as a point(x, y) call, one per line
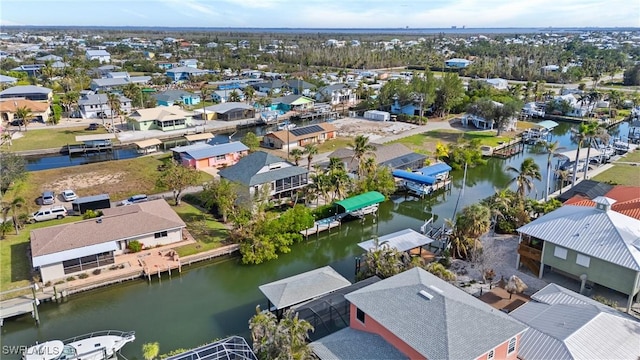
point(44, 214)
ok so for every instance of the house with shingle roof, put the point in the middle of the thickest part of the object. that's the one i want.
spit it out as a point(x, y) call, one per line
point(566, 325)
point(29, 92)
point(299, 137)
point(7, 80)
point(260, 169)
point(422, 317)
point(94, 106)
point(163, 118)
point(336, 94)
point(395, 156)
point(293, 86)
point(39, 110)
point(68, 249)
point(228, 111)
point(595, 242)
point(202, 155)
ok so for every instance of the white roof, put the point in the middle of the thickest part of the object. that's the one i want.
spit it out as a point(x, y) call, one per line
point(95, 137)
point(74, 253)
point(161, 113)
point(403, 240)
point(571, 154)
point(604, 234)
point(302, 287)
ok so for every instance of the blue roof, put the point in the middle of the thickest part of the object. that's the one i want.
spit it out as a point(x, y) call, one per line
point(414, 176)
point(435, 169)
point(204, 151)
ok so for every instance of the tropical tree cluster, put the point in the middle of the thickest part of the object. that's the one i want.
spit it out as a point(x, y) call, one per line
point(178, 178)
point(463, 151)
point(283, 339)
point(12, 169)
point(497, 113)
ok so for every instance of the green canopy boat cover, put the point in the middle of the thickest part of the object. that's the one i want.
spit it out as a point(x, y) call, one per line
point(360, 201)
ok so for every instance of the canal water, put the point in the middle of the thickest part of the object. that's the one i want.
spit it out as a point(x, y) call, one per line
point(213, 300)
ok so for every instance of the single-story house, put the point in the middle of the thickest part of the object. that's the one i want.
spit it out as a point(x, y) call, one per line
point(457, 63)
point(68, 249)
point(203, 155)
point(292, 102)
point(395, 156)
point(228, 111)
point(312, 134)
point(93, 106)
point(175, 97)
point(416, 315)
point(184, 73)
point(263, 169)
point(336, 94)
point(117, 82)
point(29, 92)
point(101, 55)
point(160, 118)
point(39, 110)
point(566, 325)
point(593, 243)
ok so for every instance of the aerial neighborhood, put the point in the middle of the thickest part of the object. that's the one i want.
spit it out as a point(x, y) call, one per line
point(401, 195)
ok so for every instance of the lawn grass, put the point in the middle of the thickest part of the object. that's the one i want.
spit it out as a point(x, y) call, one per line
point(486, 137)
point(51, 137)
point(419, 142)
point(333, 144)
point(15, 266)
point(120, 179)
point(620, 174)
point(633, 156)
point(208, 232)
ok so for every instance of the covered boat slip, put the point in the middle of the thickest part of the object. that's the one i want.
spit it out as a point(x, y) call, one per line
point(425, 180)
point(359, 202)
point(407, 240)
point(547, 124)
point(301, 288)
point(198, 137)
point(91, 143)
point(147, 146)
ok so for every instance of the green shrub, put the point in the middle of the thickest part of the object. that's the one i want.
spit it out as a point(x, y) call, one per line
point(97, 271)
point(603, 300)
point(90, 214)
point(57, 114)
point(71, 278)
point(135, 246)
point(83, 276)
point(48, 283)
point(58, 282)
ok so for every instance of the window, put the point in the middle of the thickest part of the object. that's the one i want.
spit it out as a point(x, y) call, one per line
point(560, 252)
point(512, 346)
point(491, 354)
point(221, 157)
point(360, 315)
point(583, 260)
point(160, 234)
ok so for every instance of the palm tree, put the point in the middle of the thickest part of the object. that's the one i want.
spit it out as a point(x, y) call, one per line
point(525, 175)
point(234, 96)
point(114, 103)
point(23, 113)
point(361, 147)
point(13, 207)
point(310, 150)
point(249, 93)
point(297, 154)
point(204, 93)
point(552, 150)
point(580, 136)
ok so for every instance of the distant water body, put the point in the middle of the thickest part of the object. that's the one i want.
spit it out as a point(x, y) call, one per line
point(355, 31)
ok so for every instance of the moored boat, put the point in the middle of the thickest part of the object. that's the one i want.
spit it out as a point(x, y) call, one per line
point(99, 345)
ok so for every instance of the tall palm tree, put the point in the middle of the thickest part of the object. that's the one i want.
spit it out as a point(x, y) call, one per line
point(580, 136)
point(234, 96)
point(310, 150)
point(524, 177)
point(249, 93)
point(361, 147)
point(14, 206)
point(23, 113)
point(114, 104)
point(204, 93)
point(552, 150)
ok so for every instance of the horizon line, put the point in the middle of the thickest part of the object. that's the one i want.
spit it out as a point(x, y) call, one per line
point(453, 27)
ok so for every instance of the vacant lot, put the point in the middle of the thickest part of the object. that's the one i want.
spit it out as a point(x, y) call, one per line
point(208, 232)
point(426, 142)
point(120, 179)
point(51, 138)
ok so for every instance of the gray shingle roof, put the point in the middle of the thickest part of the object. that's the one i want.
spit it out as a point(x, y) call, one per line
point(246, 170)
point(589, 188)
point(173, 95)
point(606, 235)
point(567, 325)
point(302, 287)
point(98, 99)
point(451, 325)
point(25, 89)
point(353, 344)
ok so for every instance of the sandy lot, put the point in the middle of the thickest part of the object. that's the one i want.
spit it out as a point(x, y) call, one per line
point(350, 127)
point(84, 181)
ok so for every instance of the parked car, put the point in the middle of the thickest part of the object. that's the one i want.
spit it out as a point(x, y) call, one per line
point(44, 214)
point(134, 199)
point(48, 198)
point(18, 122)
point(93, 126)
point(69, 195)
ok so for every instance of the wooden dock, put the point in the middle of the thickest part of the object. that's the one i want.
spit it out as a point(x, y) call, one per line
point(23, 304)
point(508, 149)
point(318, 228)
point(72, 149)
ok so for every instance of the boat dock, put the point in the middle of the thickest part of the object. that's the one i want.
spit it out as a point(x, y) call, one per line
point(322, 225)
point(83, 149)
point(23, 304)
point(508, 149)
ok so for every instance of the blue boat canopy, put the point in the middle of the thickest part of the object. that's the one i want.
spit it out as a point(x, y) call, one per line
point(547, 124)
point(415, 177)
point(435, 169)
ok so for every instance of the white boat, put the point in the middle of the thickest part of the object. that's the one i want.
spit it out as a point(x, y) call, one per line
point(100, 345)
point(286, 126)
point(607, 151)
point(620, 146)
point(364, 211)
point(418, 189)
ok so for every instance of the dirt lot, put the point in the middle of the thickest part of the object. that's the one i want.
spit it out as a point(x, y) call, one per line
point(350, 127)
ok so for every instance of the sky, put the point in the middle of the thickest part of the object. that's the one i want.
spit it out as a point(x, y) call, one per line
point(324, 13)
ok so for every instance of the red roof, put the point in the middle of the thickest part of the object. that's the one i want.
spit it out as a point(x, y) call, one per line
point(627, 200)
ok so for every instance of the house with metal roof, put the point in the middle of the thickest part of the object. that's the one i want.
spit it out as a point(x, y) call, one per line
point(29, 92)
point(627, 198)
point(292, 86)
point(299, 137)
point(423, 317)
point(163, 118)
point(566, 325)
point(7, 80)
point(101, 55)
point(49, 57)
point(68, 249)
point(96, 106)
point(394, 156)
point(261, 169)
point(595, 244)
point(184, 73)
point(202, 155)
point(457, 63)
point(292, 103)
point(110, 83)
point(228, 111)
point(176, 97)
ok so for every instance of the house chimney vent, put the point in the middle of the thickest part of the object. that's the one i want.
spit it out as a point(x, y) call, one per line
point(426, 295)
point(436, 289)
point(603, 203)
